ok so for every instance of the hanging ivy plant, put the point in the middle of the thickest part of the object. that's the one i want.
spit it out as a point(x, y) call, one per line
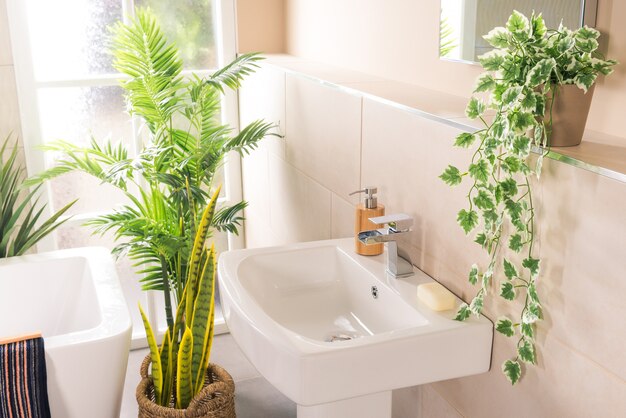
point(523, 75)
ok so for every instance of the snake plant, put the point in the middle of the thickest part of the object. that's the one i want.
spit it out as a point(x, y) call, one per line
point(180, 364)
point(20, 227)
point(169, 182)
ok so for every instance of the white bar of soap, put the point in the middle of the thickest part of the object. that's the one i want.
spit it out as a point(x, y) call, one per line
point(436, 297)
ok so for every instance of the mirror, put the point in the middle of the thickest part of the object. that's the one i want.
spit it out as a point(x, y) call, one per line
point(464, 22)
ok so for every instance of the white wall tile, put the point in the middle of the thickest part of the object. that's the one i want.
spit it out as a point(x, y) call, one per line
point(262, 96)
point(323, 134)
point(299, 206)
point(255, 183)
point(9, 108)
point(6, 58)
point(342, 217)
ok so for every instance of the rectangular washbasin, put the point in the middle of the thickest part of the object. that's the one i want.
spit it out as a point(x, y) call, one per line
point(323, 324)
point(324, 300)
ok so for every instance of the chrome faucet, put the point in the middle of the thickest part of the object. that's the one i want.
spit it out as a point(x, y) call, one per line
point(398, 224)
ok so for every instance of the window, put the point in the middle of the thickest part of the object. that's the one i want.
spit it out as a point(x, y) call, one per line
point(69, 90)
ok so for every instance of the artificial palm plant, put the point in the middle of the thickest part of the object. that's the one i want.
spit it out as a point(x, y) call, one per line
point(168, 183)
point(20, 227)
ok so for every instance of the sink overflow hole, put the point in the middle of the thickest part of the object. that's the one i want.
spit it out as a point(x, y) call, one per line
point(339, 337)
point(374, 292)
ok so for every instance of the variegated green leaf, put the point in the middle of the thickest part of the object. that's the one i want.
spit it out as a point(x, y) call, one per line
point(155, 357)
point(476, 306)
point(510, 96)
point(540, 73)
point(527, 330)
point(497, 37)
point(515, 242)
point(532, 293)
point(584, 81)
point(464, 140)
point(479, 170)
point(505, 326)
point(532, 313)
point(519, 25)
point(463, 313)
point(451, 176)
point(467, 219)
point(587, 45)
point(507, 291)
point(509, 270)
point(201, 315)
point(532, 264)
point(587, 33)
point(473, 274)
point(483, 201)
point(475, 108)
point(526, 352)
point(197, 253)
point(512, 370)
point(184, 388)
point(166, 364)
point(538, 26)
point(485, 83)
point(492, 60)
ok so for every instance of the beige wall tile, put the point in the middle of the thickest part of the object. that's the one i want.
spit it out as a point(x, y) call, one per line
point(564, 384)
point(342, 217)
point(582, 225)
point(299, 206)
point(582, 228)
point(404, 47)
point(9, 108)
point(433, 405)
point(418, 150)
point(323, 134)
point(407, 403)
point(6, 58)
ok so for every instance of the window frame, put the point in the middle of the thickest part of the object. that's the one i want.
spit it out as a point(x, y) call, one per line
point(224, 12)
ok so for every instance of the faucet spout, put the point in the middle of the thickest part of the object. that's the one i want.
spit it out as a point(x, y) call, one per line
point(398, 224)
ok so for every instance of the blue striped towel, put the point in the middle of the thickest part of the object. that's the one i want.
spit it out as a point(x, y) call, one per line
point(23, 380)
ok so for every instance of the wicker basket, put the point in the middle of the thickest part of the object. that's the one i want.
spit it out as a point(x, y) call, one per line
point(215, 400)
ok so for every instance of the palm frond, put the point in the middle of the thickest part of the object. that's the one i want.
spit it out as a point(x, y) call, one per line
point(233, 74)
point(249, 137)
point(229, 219)
point(141, 51)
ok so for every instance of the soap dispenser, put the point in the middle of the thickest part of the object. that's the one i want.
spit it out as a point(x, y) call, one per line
point(368, 209)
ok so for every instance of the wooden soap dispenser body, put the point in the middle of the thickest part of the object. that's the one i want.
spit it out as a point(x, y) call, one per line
point(370, 208)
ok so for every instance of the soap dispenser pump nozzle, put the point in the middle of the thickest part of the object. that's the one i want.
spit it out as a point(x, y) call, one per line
point(370, 200)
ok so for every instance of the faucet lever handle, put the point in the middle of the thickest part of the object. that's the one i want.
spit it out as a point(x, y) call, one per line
point(398, 221)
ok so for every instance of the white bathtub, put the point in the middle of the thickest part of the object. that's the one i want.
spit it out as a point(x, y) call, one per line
point(74, 298)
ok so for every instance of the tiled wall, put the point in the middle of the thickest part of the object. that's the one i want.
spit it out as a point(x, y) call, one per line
point(336, 141)
point(9, 112)
point(399, 40)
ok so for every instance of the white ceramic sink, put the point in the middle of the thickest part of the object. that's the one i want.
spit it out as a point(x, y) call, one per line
point(284, 305)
